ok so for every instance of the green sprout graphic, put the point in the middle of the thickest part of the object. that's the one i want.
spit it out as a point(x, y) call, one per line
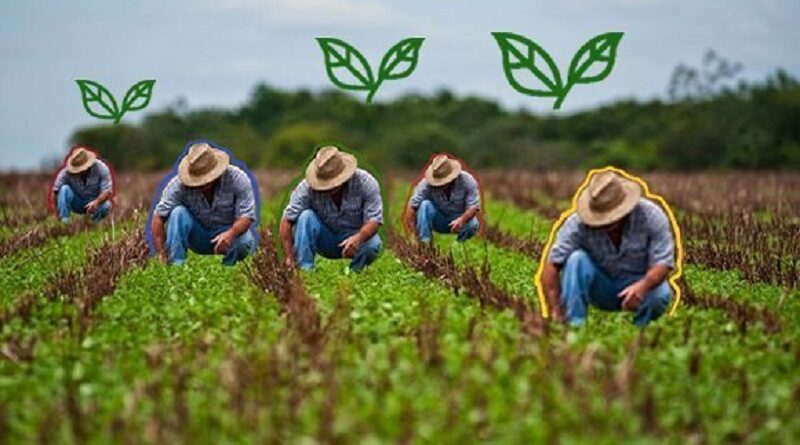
point(100, 103)
point(525, 61)
point(348, 69)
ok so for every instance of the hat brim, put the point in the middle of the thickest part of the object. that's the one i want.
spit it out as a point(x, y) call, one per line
point(633, 192)
point(438, 182)
point(321, 185)
point(83, 167)
point(190, 180)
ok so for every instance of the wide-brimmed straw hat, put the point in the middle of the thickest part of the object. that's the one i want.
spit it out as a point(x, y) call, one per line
point(442, 171)
point(607, 198)
point(330, 169)
point(202, 165)
point(80, 160)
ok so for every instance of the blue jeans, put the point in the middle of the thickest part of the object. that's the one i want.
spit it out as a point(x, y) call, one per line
point(430, 218)
point(68, 202)
point(312, 237)
point(185, 232)
point(583, 282)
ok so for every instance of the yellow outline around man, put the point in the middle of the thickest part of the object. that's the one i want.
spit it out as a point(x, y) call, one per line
point(614, 250)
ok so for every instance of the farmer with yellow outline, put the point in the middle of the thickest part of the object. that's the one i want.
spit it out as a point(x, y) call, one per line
point(614, 252)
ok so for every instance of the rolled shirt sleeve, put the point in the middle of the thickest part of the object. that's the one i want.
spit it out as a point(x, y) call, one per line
point(104, 172)
point(170, 198)
point(420, 194)
point(244, 196)
point(567, 240)
point(299, 200)
point(473, 192)
point(373, 201)
point(60, 180)
point(662, 244)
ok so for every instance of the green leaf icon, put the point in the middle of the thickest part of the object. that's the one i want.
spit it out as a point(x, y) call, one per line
point(138, 96)
point(100, 103)
point(348, 69)
point(524, 60)
point(97, 100)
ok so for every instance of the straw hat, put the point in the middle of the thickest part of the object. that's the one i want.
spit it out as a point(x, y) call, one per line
point(80, 160)
point(202, 164)
point(442, 171)
point(330, 169)
point(607, 199)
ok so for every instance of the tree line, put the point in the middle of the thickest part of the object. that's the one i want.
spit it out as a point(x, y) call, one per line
point(707, 120)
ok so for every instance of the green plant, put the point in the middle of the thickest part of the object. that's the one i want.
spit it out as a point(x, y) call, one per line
point(343, 60)
point(100, 103)
point(592, 63)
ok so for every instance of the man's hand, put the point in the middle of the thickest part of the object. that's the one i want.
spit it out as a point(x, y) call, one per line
point(457, 224)
point(351, 245)
point(289, 262)
point(633, 295)
point(223, 241)
point(92, 206)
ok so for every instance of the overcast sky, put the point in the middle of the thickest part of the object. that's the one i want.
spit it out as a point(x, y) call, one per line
point(212, 52)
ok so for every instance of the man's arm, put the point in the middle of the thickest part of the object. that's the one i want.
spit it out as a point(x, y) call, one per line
point(552, 289)
point(287, 241)
point(351, 245)
point(633, 295)
point(92, 206)
point(457, 224)
point(159, 237)
point(223, 241)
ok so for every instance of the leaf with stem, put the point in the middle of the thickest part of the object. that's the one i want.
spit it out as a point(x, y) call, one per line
point(399, 62)
point(341, 60)
point(521, 58)
point(98, 101)
point(138, 96)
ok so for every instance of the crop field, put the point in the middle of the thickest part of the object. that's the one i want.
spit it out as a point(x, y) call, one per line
point(442, 344)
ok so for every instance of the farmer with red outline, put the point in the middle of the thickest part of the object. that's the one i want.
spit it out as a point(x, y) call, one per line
point(446, 200)
point(83, 185)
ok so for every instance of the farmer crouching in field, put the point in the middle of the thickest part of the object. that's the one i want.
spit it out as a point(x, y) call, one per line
point(446, 200)
point(615, 253)
point(83, 185)
point(335, 211)
point(208, 208)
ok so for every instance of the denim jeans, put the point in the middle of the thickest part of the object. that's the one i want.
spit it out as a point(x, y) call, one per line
point(430, 218)
point(185, 232)
point(67, 202)
point(311, 236)
point(583, 282)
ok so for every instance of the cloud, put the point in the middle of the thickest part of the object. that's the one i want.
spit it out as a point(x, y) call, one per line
point(300, 13)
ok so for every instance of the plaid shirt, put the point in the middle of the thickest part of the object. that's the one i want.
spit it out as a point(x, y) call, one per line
point(233, 199)
point(361, 203)
point(463, 195)
point(647, 240)
point(97, 181)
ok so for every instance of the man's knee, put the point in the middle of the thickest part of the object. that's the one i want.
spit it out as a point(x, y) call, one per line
point(578, 259)
point(66, 190)
point(426, 207)
point(373, 245)
point(659, 297)
point(307, 217)
point(245, 243)
point(179, 213)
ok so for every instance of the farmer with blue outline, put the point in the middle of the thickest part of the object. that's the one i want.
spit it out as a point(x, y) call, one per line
point(335, 211)
point(84, 185)
point(446, 200)
point(208, 207)
point(614, 252)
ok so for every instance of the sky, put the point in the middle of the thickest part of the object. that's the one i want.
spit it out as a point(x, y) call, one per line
point(213, 52)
